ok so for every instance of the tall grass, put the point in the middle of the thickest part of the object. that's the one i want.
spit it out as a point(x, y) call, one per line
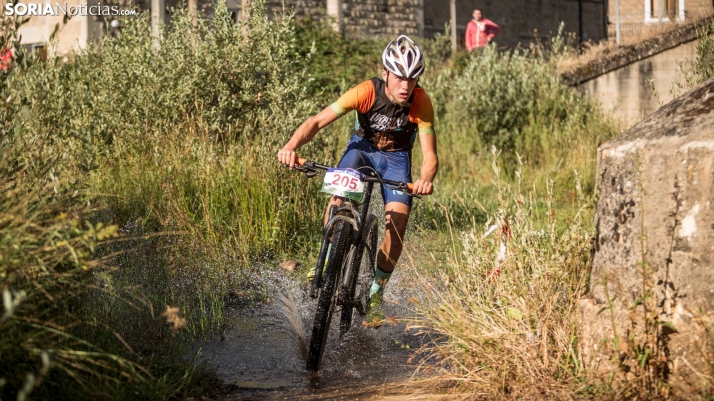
point(504, 299)
point(175, 145)
point(46, 268)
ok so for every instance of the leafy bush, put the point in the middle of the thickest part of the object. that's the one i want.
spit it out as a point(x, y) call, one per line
point(334, 63)
point(515, 101)
point(704, 66)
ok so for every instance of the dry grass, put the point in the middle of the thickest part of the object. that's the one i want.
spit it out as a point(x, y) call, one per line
point(630, 35)
point(503, 299)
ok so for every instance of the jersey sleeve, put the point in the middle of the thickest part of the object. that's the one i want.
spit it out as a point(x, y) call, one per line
point(422, 112)
point(359, 98)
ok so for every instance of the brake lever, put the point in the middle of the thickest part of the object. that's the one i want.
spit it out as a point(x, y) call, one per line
point(309, 172)
point(405, 189)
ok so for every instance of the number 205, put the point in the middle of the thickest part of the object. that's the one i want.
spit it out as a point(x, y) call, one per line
point(345, 181)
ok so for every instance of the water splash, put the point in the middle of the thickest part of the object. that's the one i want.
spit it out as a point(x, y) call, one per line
point(289, 309)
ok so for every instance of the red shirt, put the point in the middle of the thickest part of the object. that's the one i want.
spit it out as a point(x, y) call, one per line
point(478, 34)
point(5, 59)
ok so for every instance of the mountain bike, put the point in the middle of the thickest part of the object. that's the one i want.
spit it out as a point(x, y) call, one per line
point(352, 231)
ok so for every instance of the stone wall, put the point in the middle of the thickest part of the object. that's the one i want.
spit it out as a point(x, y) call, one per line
point(357, 18)
point(650, 311)
point(381, 17)
point(627, 93)
point(631, 11)
point(519, 18)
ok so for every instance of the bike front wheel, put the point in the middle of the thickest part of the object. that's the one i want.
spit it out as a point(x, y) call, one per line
point(342, 235)
point(361, 272)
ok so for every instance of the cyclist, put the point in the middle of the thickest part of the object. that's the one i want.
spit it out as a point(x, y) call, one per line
point(391, 111)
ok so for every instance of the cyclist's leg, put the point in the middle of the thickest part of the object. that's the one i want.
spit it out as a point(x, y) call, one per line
point(397, 208)
point(397, 217)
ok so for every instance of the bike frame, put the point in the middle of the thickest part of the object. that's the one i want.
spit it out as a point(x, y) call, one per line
point(354, 214)
point(351, 212)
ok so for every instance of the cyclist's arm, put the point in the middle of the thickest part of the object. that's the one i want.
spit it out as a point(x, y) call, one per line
point(429, 166)
point(304, 134)
point(422, 112)
point(358, 98)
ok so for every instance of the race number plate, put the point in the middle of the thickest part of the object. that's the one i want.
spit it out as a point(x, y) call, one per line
point(344, 182)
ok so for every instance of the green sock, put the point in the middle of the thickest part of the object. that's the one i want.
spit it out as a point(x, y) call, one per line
point(380, 281)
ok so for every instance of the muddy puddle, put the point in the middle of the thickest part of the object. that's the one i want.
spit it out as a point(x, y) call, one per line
point(259, 355)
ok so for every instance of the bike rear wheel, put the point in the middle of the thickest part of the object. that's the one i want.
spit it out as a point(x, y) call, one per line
point(362, 273)
point(342, 234)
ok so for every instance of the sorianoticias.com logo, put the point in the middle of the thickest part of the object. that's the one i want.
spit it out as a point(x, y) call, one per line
point(63, 9)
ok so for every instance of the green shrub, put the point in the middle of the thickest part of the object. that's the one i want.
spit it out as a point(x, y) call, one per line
point(334, 63)
point(515, 101)
point(182, 140)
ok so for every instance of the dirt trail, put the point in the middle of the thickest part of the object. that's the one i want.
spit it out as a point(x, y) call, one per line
point(258, 357)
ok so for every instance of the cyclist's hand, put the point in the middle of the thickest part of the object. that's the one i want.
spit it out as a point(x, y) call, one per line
point(422, 187)
point(288, 157)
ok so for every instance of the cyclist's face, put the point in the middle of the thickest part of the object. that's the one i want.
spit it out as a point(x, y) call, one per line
point(398, 87)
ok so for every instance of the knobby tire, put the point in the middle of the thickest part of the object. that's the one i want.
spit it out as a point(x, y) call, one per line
point(363, 265)
point(326, 302)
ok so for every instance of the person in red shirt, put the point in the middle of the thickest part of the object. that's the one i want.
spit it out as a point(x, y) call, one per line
point(480, 31)
point(5, 59)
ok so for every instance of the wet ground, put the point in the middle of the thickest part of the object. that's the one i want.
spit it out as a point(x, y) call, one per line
point(259, 355)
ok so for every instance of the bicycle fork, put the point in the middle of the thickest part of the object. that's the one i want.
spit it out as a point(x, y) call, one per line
point(326, 231)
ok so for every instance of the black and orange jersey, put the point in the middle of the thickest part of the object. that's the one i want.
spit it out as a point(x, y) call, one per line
point(388, 125)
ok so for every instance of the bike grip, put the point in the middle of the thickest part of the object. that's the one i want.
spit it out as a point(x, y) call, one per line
point(410, 187)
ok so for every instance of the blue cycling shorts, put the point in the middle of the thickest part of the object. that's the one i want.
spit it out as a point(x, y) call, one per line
point(362, 155)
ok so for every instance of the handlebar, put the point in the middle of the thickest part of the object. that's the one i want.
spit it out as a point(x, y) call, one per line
point(310, 169)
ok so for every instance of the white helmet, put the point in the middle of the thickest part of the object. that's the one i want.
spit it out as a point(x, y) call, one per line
point(403, 58)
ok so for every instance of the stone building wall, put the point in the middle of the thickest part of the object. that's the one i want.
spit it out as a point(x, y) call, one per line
point(72, 37)
point(381, 17)
point(519, 18)
point(631, 11)
point(636, 14)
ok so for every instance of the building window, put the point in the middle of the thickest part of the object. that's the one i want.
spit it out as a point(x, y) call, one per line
point(672, 10)
point(236, 14)
point(39, 49)
point(669, 8)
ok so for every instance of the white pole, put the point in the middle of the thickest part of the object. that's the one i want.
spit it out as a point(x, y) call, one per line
point(193, 11)
point(334, 10)
point(660, 10)
point(157, 18)
point(452, 6)
point(617, 22)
